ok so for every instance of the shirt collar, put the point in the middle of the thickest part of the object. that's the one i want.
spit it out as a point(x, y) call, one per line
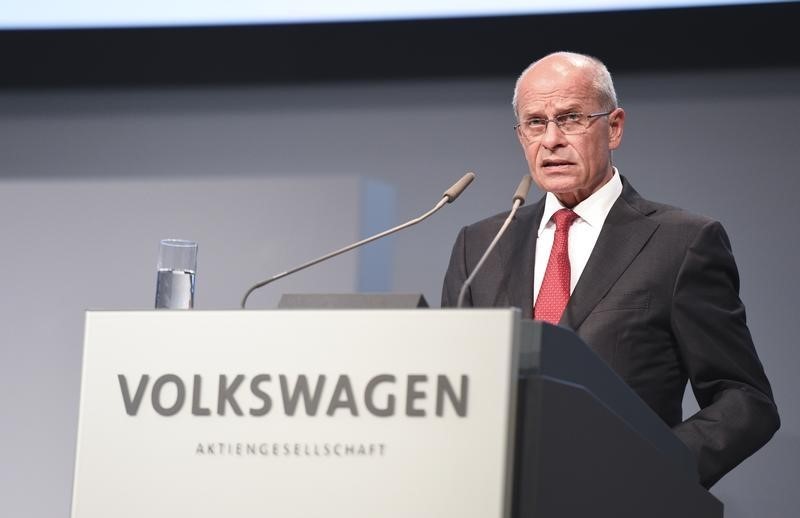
point(593, 210)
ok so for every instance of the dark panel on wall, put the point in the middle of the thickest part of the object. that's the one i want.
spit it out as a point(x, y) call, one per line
point(673, 39)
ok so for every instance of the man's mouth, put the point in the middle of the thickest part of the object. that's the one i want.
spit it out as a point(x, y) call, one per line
point(555, 162)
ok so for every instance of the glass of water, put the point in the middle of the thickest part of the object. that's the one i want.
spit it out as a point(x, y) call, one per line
point(177, 264)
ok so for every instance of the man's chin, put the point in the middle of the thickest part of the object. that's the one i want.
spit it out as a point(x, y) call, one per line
point(557, 183)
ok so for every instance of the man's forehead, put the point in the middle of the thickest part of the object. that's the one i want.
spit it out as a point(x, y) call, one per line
point(530, 101)
point(541, 89)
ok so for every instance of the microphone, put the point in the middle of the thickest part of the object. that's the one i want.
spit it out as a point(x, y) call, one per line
point(449, 196)
point(519, 198)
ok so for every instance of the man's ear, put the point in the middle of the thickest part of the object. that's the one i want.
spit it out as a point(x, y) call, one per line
point(520, 138)
point(616, 125)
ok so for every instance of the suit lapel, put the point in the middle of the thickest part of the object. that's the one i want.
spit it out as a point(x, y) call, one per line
point(625, 231)
point(518, 253)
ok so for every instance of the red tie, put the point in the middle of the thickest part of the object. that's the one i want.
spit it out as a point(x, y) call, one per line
point(554, 293)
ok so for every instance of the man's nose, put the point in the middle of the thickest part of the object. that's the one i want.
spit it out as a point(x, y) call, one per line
point(553, 137)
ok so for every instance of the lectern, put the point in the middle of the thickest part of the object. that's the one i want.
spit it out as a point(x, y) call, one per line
point(365, 413)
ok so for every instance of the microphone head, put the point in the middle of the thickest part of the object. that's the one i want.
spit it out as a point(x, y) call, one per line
point(522, 189)
point(457, 188)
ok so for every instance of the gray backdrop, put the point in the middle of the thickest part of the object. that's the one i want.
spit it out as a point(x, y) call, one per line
point(270, 176)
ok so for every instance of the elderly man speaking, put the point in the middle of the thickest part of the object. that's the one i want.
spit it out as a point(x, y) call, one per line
point(652, 289)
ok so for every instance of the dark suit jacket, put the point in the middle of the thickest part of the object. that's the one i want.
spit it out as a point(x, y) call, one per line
point(659, 301)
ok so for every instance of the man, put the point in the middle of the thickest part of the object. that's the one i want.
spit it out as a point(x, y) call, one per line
point(652, 289)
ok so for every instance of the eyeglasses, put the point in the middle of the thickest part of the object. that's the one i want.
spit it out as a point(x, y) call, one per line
point(569, 123)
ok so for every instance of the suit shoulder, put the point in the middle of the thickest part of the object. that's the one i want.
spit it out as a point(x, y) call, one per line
point(493, 221)
point(480, 233)
point(487, 225)
point(662, 213)
point(680, 227)
point(675, 216)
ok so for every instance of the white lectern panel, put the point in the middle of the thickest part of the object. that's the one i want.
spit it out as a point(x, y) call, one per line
point(296, 414)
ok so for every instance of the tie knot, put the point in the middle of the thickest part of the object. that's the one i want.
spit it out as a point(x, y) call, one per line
point(564, 218)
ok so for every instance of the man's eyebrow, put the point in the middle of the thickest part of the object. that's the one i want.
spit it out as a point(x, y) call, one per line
point(533, 114)
point(569, 108)
point(539, 114)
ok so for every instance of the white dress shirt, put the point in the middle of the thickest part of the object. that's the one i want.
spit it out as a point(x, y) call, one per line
point(583, 233)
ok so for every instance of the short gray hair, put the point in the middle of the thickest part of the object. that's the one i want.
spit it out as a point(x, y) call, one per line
point(601, 82)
